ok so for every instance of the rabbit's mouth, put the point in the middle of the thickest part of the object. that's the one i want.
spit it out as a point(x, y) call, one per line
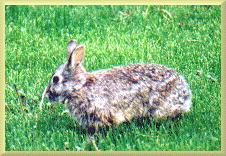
point(53, 97)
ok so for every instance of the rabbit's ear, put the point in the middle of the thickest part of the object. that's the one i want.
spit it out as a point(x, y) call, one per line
point(76, 56)
point(71, 47)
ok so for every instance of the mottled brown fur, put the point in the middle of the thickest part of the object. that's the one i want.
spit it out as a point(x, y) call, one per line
point(116, 95)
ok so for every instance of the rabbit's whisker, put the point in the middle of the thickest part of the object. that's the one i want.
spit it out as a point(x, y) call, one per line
point(43, 96)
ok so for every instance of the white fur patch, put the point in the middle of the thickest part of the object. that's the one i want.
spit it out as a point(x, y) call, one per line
point(119, 116)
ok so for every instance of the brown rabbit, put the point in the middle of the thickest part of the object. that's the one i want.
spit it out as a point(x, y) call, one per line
point(116, 95)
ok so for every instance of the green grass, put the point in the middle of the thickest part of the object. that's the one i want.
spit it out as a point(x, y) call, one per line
point(186, 38)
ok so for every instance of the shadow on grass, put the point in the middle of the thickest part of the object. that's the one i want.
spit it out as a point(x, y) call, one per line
point(52, 119)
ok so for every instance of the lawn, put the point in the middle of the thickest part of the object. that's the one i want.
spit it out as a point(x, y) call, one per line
point(185, 38)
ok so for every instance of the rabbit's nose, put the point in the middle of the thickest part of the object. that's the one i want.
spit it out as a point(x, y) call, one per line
point(47, 89)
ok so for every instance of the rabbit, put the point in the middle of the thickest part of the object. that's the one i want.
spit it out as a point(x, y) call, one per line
point(113, 96)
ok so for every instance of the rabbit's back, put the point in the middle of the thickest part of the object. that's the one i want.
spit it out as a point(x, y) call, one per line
point(122, 93)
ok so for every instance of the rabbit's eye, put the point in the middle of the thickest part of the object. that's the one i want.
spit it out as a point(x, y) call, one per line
point(55, 79)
